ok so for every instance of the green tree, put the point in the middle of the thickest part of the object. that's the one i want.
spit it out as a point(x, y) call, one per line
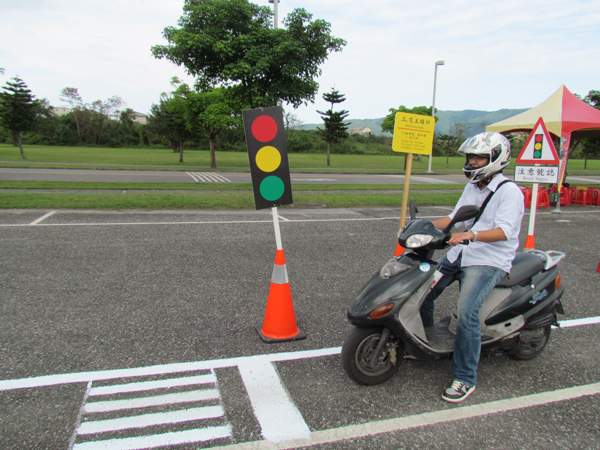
point(71, 97)
point(18, 110)
point(233, 43)
point(387, 126)
point(168, 119)
point(449, 145)
point(213, 111)
point(591, 146)
point(101, 110)
point(335, 128)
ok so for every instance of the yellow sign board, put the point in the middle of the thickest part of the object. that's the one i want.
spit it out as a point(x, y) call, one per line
point(413, 133)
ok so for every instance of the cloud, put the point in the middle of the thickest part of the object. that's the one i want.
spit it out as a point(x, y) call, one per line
point(509, 54)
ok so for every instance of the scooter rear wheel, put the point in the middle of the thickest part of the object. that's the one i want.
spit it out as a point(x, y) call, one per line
point(359, 359)
point(531, 343)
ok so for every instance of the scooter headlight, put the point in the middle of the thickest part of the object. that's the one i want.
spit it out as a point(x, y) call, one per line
point(418, 240)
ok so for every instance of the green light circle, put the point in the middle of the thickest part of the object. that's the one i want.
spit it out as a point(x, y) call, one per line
point(272, 188)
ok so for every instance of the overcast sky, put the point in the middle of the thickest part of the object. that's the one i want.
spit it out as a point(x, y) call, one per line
point(509, 54)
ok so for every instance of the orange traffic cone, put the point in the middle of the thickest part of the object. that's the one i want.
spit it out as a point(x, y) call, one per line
point(399, 250)
point(279, 324)
point(598, 268)
point(530, 242)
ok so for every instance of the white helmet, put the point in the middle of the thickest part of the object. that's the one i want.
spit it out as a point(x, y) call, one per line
point(492, 145)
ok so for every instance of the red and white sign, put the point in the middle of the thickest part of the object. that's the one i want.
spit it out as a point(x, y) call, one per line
point(539, 148)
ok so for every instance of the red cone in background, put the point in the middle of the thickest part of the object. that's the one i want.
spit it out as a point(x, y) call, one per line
point(530, 242)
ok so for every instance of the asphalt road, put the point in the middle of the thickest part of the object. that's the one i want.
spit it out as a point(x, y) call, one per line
point(158, 176)
point(99, 308)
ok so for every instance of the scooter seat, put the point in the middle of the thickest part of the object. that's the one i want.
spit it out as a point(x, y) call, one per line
point(524, 266)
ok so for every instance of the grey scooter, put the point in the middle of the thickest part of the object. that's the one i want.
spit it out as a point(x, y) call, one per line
point(516, 318)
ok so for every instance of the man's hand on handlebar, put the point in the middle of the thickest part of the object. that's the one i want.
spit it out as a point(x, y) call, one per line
point(461, 238)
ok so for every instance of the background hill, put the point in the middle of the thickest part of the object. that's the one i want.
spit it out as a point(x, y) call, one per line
point(475, 121)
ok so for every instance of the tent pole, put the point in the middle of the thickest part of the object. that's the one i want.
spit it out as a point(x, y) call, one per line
point(565, 143)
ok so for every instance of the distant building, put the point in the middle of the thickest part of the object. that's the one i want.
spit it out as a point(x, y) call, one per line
point(60, 111)
point(136, 116)
point(140, 118)
point(364, 131)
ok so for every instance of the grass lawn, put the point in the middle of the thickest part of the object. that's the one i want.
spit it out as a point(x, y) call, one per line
point(216, 196)
point(75, 157)
point(158, 201)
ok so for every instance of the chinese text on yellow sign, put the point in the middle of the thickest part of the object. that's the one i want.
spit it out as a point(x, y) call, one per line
point(413, 133)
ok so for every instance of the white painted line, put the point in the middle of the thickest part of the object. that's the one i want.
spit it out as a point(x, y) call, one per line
point(45, 216)
point(149, 420)
point(201, 177)
point(429, 180)
point(192, 175)
point(158, 440)
point(221, 178)
point(145, 402)
point(234, 222)
point(277, 415)
point(210, 177)
point(149, 385)
point(421, 420)
point(161, 369)
point(79, 416)
point(299, 180)
point(586, 180)
point(164, 369)
point(579, 322)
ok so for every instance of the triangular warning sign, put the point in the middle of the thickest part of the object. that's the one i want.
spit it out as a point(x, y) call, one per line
point(539, 148)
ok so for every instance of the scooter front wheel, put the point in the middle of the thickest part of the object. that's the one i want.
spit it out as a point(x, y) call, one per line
point(371, 355)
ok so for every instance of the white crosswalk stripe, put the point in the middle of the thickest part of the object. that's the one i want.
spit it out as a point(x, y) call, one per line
point(208, 177)
point(150, 413)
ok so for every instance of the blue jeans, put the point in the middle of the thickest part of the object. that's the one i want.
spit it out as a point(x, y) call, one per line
point(476, 282)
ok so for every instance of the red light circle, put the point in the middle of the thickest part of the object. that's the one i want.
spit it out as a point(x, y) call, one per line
point(264, 128)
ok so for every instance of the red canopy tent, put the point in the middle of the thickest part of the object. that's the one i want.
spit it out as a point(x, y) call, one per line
point(565, 115)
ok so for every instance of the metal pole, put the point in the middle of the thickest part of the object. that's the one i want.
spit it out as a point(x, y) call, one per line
point(437, 63)
point(278, 243)
point(276, 13)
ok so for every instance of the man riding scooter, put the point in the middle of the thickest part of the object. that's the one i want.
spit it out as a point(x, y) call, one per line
point(493, 241)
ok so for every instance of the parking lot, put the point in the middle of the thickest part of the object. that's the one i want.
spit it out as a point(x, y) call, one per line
point(137, 330)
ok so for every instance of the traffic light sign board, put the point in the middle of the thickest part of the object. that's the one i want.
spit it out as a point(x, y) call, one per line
point(539, 148)
point(267, 152)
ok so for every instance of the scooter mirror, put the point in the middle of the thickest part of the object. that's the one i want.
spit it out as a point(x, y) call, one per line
point(413, 209)
point(464, 213)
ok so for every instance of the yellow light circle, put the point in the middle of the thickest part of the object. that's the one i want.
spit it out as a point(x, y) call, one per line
point(538, 146)
point(268, 159)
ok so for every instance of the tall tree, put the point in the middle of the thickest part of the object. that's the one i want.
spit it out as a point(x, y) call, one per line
point(335, 128)
point(232, 42)
point(71, 97)
point(211, 110)
point(167, 118)
point(102, 112)
point(18, 110)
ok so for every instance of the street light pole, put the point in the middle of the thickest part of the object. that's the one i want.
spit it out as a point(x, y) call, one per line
point(276, 13)
point(437, 63)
